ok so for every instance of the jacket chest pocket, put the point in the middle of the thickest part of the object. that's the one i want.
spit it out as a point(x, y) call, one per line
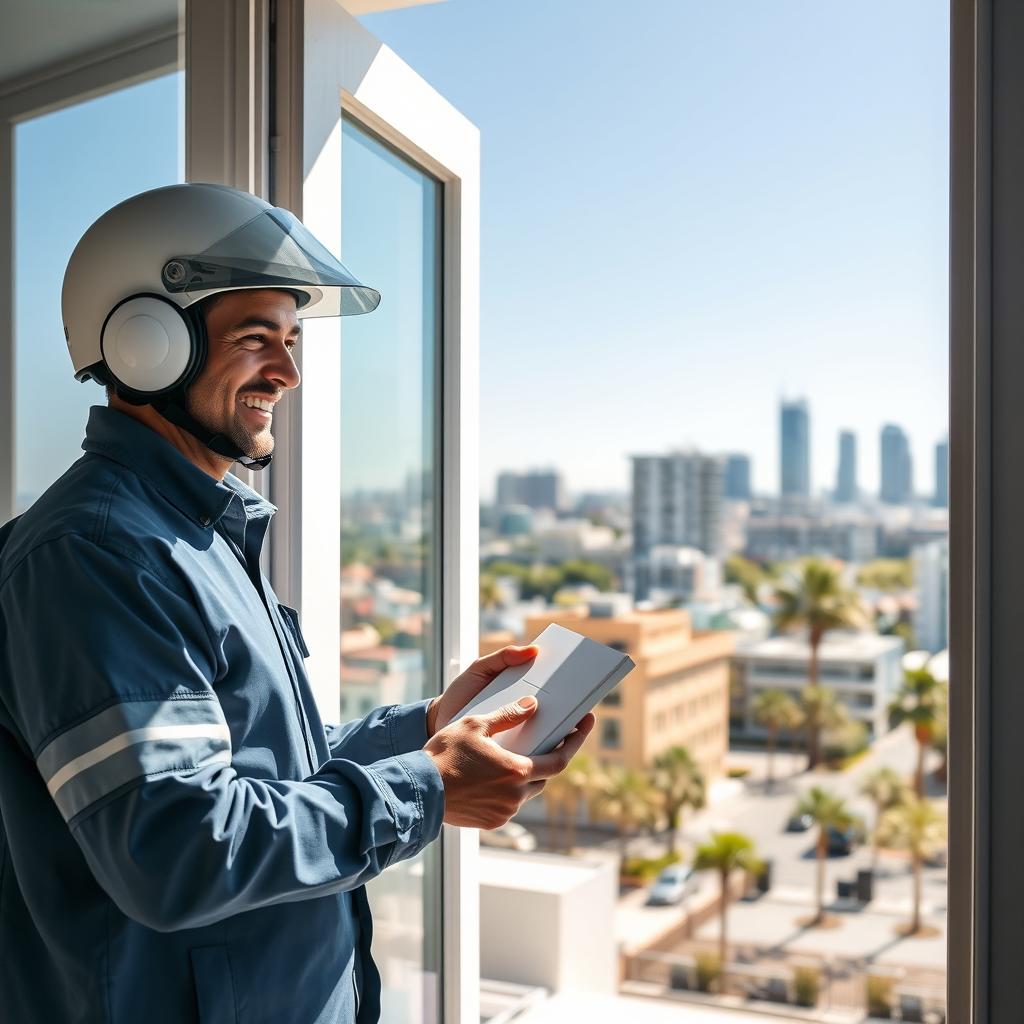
point(291, 624)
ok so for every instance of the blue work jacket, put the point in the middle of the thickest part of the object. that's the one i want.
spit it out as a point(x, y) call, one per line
point(181, 839)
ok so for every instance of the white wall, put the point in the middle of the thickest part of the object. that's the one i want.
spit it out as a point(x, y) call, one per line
point(547, 921)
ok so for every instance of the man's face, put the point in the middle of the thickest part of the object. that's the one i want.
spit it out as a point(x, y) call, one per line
point(251, 335)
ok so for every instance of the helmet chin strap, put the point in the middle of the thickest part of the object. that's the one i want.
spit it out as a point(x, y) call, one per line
point(172, 405)
point(172, 408)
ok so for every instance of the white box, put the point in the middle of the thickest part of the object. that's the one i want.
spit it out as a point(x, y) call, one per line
point(568, 677)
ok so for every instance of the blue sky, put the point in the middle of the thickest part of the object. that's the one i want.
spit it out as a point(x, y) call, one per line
point(690, 209)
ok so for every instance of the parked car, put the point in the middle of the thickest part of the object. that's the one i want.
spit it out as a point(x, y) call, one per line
point(510, 836)
point(842, 841)
point(799, 823)
point(674, 882)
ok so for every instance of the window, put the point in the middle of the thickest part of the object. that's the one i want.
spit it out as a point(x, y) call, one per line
point(611, 733)
point(390, 392)
point(116, 144)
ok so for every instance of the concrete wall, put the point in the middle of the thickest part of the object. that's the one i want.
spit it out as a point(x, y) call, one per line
point(547, 921)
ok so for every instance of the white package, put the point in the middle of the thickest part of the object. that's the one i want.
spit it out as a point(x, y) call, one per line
point(570, 674)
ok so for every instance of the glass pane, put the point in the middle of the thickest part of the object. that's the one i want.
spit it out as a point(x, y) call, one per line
point(730, 277)
point(390, 392)
point(122, 142)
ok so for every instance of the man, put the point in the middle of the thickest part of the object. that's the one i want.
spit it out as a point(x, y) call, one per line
point(181, 839)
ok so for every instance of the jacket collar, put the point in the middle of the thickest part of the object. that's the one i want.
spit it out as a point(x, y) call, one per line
point(123, 439)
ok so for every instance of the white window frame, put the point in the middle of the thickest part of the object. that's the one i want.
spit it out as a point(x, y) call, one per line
point(325, 64)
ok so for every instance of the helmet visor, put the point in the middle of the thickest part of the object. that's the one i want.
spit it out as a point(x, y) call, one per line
point(273, 250)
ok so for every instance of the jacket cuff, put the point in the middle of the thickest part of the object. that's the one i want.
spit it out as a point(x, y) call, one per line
point(407, 726)
point(414, 795)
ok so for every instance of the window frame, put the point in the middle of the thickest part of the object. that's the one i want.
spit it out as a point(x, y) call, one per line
point(324, 65)
point(971, 598)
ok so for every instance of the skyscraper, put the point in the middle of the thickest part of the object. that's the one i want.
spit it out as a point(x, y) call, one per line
point(795, 448)
point(737, 477)
point(897, 467)
point(846, 475)
point(677, 500)
point(941, 497)
point(536, 488)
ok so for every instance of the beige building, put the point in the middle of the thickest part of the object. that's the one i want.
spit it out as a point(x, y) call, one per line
point(678, 694)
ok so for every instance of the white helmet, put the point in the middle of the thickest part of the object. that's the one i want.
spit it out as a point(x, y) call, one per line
point(174, 246)
point(137, 272)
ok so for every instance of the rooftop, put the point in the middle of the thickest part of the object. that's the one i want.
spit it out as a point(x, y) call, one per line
point(835, 647)
point(536, 872)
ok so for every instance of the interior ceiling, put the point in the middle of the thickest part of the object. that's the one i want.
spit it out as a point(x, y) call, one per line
point(38, 33)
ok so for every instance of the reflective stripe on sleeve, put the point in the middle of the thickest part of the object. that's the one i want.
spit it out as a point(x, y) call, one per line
point(131, 741)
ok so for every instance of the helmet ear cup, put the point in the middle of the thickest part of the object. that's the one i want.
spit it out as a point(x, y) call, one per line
point(151, 347)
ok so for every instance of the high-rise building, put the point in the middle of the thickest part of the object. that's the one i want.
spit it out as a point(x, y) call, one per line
point(795, 448)
point(897, 466)
point(536, 488)
point(737, 477)
point(677, 500)
point(941, 496)
point(846, 475)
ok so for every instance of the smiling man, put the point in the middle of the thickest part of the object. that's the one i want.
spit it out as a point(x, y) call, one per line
point(181, 838)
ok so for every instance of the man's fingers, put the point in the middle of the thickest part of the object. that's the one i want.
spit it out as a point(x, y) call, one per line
point(547, 765)
point(509, 716)
point(485, 669)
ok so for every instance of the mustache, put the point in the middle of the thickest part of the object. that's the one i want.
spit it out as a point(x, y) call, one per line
point(262, 388)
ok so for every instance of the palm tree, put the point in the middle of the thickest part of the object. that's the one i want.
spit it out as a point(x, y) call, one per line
point(915, 825)
point(563, 792)
point(886, 788)
point(627, 799)
point(821, 711)
point(775, 710)
point(827, 811)
point(794, 723)
point(681, 784)
point(813, 597)
point(922, 702)
point(725, 853)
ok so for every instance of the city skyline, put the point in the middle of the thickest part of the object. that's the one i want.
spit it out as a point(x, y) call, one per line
point(923, 487)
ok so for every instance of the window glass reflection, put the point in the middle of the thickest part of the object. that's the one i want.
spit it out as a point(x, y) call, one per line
point(391, 237)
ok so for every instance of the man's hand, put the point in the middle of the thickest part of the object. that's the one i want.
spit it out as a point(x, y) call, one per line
point(485, 784)
point(463, 689)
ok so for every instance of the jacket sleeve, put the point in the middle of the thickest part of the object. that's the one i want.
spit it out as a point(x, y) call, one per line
point(385, 732)
point(112, 679)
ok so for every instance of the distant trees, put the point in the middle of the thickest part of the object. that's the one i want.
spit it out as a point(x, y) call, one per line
point(821, 711)
point(827, 811)
point(749, 575)
point(887, 574)
point(811, 596)
point(917, 826)
point(563, 794)
point(776, 710)
point(545, 580)
point(680, 783)
point(886, 789)
point(628, 799)
point(921, 701)
point(490, 591)
point(725, 853)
